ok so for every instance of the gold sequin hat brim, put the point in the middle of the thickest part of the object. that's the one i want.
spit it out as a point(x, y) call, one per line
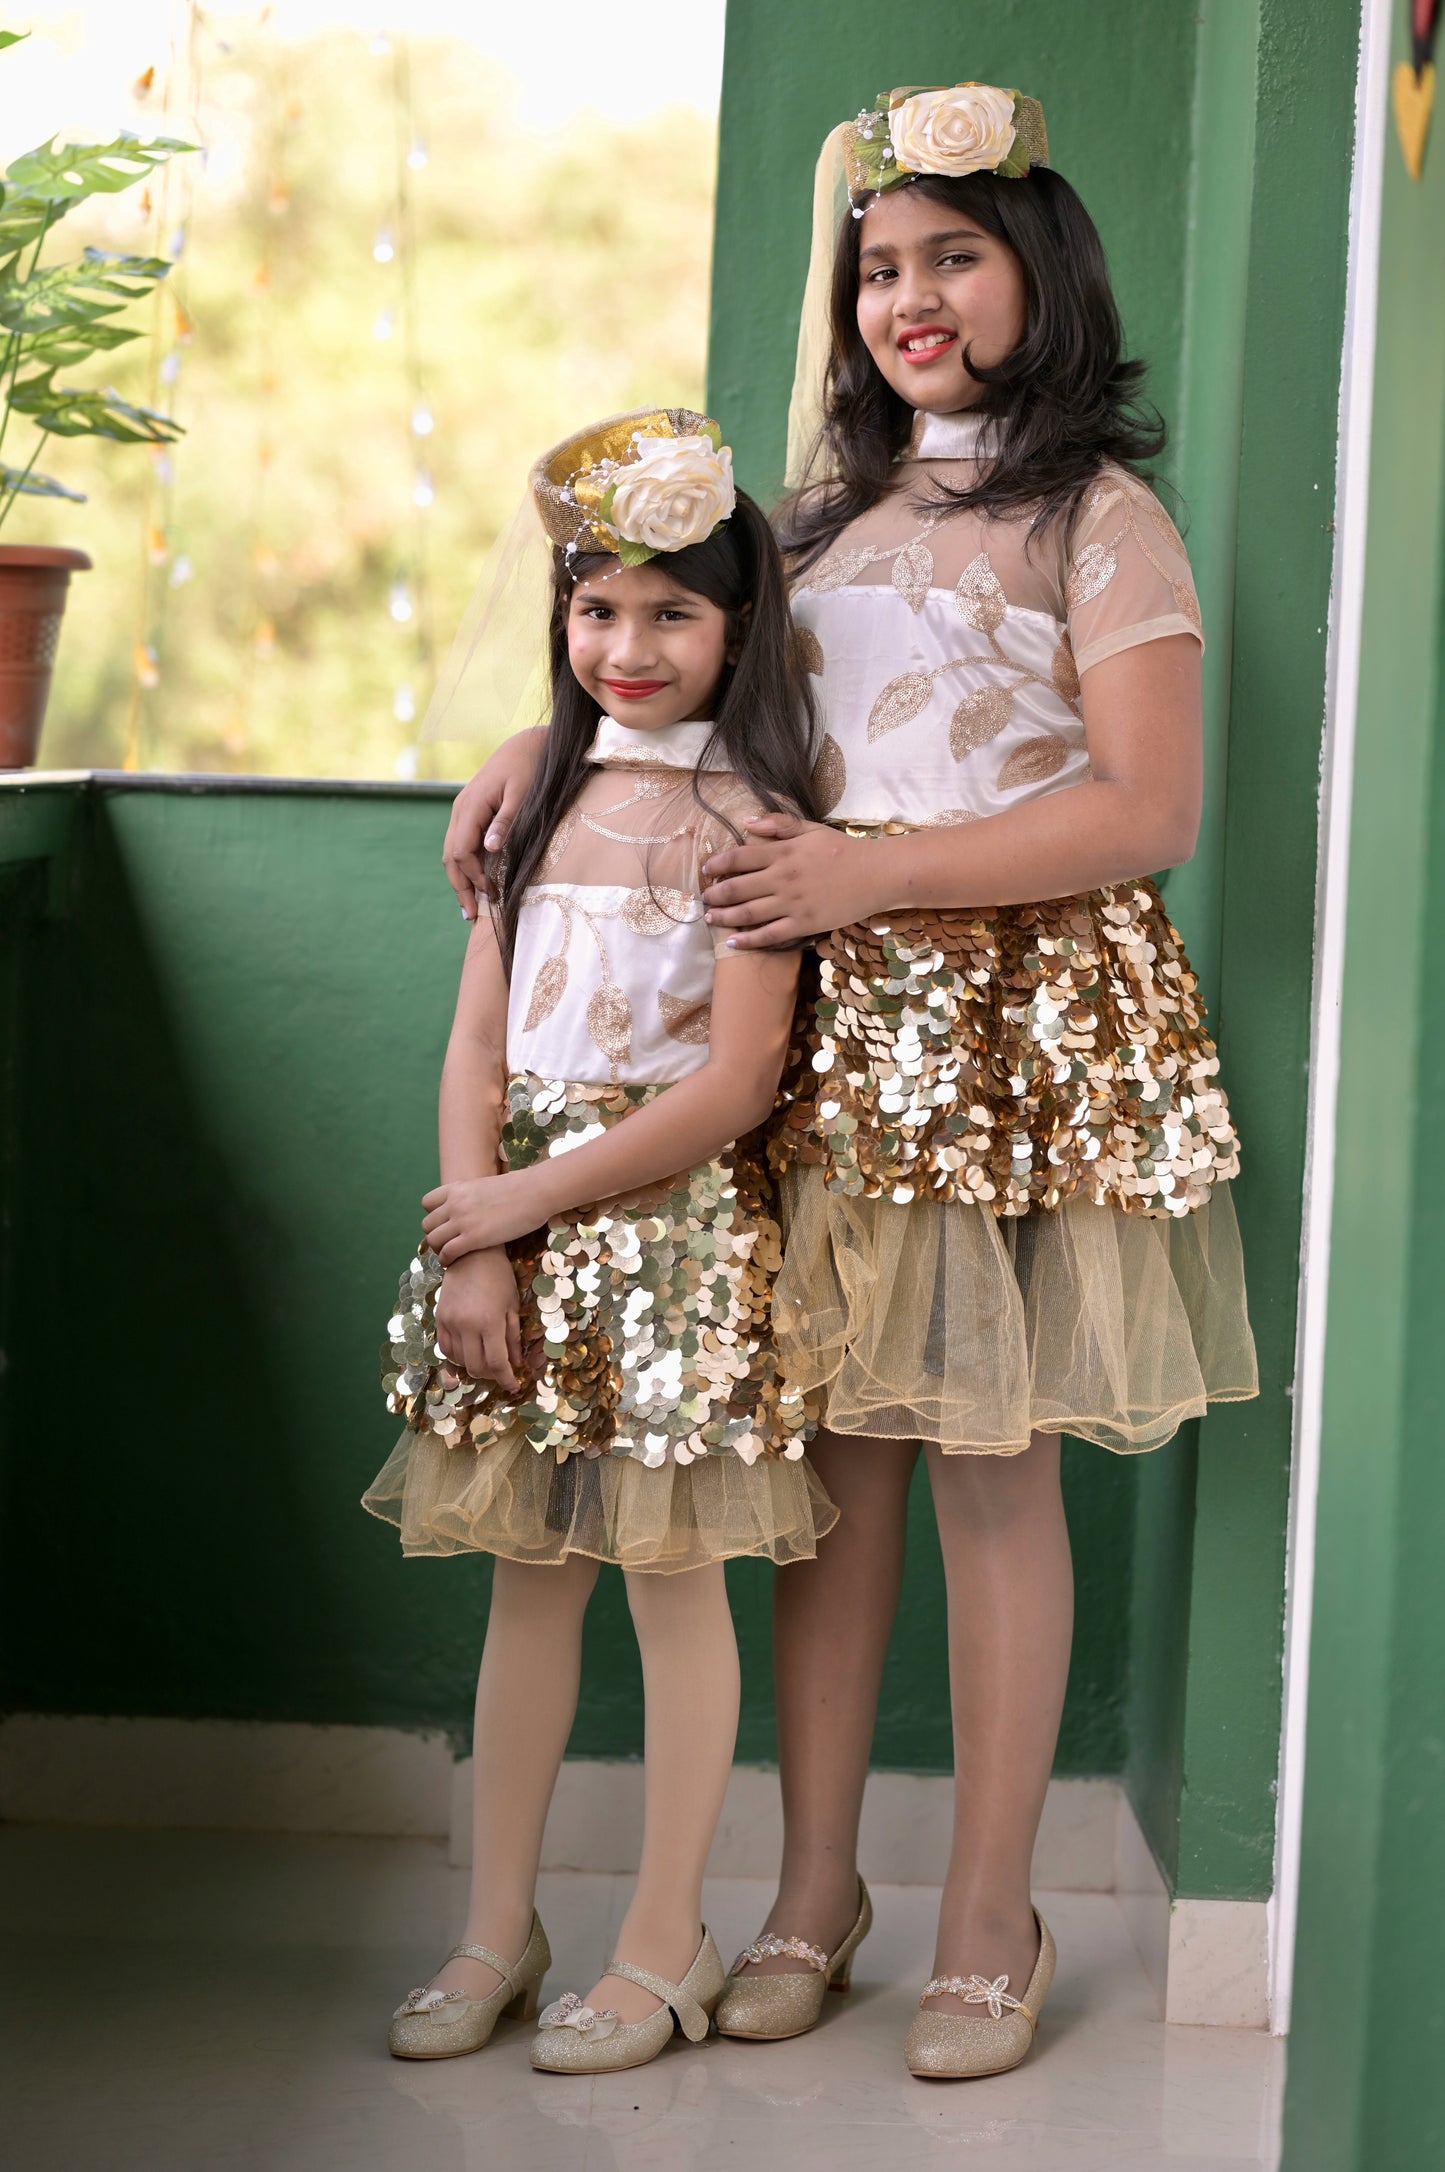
point(569, 482)
point(871, 165)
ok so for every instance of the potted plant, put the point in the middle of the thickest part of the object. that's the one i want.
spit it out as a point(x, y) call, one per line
point(50, 319)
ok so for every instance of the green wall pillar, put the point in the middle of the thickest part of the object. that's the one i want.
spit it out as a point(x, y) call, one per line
point(1367, 2062)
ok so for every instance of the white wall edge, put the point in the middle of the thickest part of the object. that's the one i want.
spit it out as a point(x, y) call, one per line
point(1342, 678)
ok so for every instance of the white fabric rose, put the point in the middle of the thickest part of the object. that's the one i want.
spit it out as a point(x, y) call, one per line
point(969, 129)
point(673, 493)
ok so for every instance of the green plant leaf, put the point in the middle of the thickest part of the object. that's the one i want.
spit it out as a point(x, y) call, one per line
point(604, 504)
point(15, 480)
point(77, 295)
point(66, 173)
point(62, 348)
point(634, 554)
point(66, 411)
point(713, 434)
point(12, 37)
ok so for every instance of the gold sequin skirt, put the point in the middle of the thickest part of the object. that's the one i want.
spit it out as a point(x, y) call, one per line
point(1006, 1161)
point(655, 1428)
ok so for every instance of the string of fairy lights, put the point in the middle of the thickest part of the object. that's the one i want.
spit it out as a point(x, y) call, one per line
point(167, 207)
point(173, 96)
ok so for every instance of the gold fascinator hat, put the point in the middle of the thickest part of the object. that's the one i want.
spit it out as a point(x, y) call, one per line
point(941, 131)
point(636, 485)
point(656, 480)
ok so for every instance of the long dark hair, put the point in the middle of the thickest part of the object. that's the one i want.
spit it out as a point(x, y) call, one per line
point(1064, 401)
point(763, 711)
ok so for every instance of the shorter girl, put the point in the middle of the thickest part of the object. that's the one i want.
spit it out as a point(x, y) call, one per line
point(583, 1346)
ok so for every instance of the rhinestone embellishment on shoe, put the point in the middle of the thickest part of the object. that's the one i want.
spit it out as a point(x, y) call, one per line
point(764, 1948)
point(568, 2012)
point(423, 2000)
point(978, 1991)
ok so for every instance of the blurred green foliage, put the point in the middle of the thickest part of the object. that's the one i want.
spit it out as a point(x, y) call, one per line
point(558, 279)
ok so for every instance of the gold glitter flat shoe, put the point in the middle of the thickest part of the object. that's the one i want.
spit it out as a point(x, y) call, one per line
point(956, 2047)
point(445, 2024)
point(767, 2008)
point(576, 2039)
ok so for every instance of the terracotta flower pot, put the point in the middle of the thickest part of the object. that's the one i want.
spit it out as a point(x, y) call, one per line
point(33, 581)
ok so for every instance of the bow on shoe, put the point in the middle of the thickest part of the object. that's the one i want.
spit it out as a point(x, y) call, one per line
point(423, 2000)
point(978, 1991)
point(568, 2012)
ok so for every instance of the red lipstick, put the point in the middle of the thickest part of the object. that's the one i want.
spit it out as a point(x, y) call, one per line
point(634, 689)
point(942, 345)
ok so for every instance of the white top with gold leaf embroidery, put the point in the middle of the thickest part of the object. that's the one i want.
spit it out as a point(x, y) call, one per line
point(612, 975)
point(950, 647)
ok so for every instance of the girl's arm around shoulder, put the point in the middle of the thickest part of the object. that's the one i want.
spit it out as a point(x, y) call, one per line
point(752, 1013)
point(482, 815)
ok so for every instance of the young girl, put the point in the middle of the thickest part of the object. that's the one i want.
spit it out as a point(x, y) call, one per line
point(583, 1346)
point(1007, 1154)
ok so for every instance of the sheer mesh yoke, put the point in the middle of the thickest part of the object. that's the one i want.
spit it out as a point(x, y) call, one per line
point(950, 646)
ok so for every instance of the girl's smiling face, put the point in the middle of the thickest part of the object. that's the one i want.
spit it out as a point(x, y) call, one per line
point(931, 283)
point(648, 652)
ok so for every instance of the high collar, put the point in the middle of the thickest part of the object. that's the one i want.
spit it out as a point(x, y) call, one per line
point(668, 746)
point(963, 436)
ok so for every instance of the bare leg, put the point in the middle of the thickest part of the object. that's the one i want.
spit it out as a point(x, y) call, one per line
point(1010, 1622)
point(690, 1688)
point(831, 1621)
point(526, 1702)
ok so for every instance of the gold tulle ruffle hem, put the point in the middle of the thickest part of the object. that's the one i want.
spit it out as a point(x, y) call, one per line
point(940, 1320)
point(507, 1499)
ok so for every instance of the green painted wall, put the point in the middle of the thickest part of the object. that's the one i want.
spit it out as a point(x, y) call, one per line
point(222, 1026)
point(1223, 206)
point(1367, 2068)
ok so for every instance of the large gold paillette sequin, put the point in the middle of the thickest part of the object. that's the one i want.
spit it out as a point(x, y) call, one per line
point(1015, 1058)
point(646, 1322)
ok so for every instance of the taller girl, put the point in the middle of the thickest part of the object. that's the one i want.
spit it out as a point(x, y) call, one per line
point(1006, 1153)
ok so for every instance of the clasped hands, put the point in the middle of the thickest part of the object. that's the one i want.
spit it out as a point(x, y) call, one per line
point(468, 1225)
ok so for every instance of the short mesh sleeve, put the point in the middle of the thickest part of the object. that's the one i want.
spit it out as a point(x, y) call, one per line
point(1127, 579)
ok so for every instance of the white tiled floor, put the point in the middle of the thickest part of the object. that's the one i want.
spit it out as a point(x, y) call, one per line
point(207, 2002)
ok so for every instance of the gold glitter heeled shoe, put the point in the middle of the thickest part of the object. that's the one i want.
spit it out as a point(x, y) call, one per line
point(445, 2024)
point(766, 2009)
point(956, 2047)
point(576, 2039)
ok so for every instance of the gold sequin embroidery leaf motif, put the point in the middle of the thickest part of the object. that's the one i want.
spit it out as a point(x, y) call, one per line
point(609, 1021)
point(913, 574)
point(684, 1018)
point(899, 702)
point(979, 717)
point(1090, 574)
point(1032, 762)
point(654, 911)
point(979, 596)
point(1066, 672)
point(830, 774)
point(546, 991)
point(810, 648)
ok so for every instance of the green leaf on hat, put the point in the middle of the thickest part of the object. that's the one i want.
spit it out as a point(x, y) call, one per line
point(634, 554)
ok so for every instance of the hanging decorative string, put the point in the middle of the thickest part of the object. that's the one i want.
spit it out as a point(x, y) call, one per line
point(167, 206)
point(395, 249)
point(262, 557)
